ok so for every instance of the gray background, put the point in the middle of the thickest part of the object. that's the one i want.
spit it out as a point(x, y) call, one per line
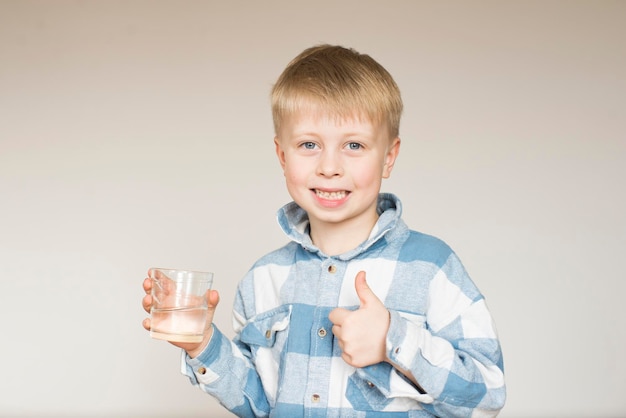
point(138, 133)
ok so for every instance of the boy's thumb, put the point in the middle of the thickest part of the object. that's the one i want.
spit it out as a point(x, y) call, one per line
point(363, 290)
point(213, 298)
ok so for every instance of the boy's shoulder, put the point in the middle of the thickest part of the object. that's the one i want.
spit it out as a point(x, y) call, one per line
point(426, 247)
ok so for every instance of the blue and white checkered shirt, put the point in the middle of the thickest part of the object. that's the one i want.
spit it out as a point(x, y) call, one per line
point(285, 362)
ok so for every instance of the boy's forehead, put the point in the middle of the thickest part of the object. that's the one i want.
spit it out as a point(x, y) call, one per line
point(308, 116)
point(302, 122)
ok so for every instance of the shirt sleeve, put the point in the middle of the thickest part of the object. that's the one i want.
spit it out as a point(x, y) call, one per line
point(224, 370)
point(454, 353)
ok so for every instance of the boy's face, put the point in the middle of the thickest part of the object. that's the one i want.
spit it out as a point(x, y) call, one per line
point(334, 168)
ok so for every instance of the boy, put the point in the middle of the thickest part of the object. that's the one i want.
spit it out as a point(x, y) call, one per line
point(357, 316)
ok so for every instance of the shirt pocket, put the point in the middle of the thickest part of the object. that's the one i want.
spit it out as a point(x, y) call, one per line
point(415, 319)
point(363, 395)
point(266, 335)
point(387, 391)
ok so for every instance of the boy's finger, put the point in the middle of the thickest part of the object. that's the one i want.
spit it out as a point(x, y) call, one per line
point(146, 302)
point(338, 315)
point(147, 285)
point(214, 298)
point(336, 329)
point(146, 324)
point(363, 291)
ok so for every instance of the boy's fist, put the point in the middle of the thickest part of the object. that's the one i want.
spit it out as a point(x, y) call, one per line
point(362, 334)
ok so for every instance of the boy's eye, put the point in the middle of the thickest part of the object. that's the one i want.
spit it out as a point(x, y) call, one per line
point(354, 146)
point(308, 145)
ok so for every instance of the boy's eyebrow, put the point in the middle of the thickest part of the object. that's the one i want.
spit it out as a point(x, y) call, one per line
point(297, 134)
point(347, 135)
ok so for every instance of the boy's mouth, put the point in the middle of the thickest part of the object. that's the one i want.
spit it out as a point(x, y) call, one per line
point(335, 195)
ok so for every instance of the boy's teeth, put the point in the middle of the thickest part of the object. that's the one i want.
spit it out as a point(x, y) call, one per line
point(331, 195)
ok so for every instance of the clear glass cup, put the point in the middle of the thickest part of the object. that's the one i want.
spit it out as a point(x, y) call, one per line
point(180, 304)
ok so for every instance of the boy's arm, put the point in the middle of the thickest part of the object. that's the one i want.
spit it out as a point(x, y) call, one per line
point(224, 370)
point(453, 376)
point(450, 361)
point(454, 355)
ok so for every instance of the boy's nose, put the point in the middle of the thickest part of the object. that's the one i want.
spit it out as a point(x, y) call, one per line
point(329, 165)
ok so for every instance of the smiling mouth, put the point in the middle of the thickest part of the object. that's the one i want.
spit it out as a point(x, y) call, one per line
point(331, 195)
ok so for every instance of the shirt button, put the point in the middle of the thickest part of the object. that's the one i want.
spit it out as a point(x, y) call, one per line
point(315, 398)
point(321, 332)
point(268, 333)
point(332, 269)
point(202, 370)
point(370, 384)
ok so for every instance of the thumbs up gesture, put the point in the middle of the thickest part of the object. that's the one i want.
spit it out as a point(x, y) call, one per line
point(361, 334)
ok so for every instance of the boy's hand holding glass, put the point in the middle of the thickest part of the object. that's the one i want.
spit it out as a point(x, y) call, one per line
point(181, 305)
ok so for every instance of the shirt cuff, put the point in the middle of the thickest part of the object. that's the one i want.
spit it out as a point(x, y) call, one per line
point(404, 340)
point(203, 369)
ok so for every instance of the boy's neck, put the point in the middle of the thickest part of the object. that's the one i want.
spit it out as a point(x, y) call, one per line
point(338, 238)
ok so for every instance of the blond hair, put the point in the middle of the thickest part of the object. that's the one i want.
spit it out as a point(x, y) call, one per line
point(339, 82)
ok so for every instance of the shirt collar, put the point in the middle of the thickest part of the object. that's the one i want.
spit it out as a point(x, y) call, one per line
point(294, 222)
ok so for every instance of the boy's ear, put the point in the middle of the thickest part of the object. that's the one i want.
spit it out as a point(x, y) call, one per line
point(390, 158)
point(279, 152)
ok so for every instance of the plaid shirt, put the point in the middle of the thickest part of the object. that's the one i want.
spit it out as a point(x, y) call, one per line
point(285, 362)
